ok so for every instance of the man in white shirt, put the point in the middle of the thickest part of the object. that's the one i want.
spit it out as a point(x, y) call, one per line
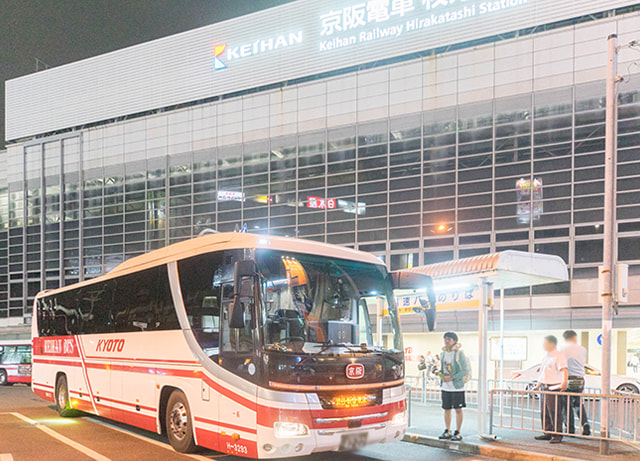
point(553, 379)
point(576, 356)
point(454, 375)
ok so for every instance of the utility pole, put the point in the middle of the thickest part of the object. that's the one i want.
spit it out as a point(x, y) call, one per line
point(607, 268)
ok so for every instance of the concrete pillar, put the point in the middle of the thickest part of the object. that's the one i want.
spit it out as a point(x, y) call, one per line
point(621, 353)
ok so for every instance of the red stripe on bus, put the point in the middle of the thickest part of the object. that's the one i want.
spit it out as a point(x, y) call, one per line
point(230, 394)
point(194, 374)
point(225, 443)
point(42, 385)
point(127, 359)
point(46, 395)
point(120, 402)
point(66, 363)
point(226, 425)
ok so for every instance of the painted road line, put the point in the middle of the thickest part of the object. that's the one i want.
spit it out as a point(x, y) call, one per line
point(6, 457)
point(157, 443)
point(67, 441)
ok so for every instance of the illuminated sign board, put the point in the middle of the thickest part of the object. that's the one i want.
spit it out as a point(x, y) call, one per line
point(227, 195)
point(529, 200)
point(295, 40)
point(515, 348)
point(321, 203)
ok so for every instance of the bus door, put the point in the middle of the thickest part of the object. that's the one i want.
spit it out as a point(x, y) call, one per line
point(238, 354)
point(141, 303)
point(94, 303)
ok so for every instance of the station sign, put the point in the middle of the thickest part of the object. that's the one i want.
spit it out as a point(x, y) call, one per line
point(321, 203)
point(292, 41)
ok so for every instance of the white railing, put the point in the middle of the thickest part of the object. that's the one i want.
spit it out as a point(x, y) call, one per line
point(521, 409)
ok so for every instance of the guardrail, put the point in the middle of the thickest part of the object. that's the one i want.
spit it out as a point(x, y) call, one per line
point(427, 388)
point(514, 405)
point(522, 410)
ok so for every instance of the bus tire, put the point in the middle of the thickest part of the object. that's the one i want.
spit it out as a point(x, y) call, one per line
point(179, 423)
point(63, 404)
point(4, 379)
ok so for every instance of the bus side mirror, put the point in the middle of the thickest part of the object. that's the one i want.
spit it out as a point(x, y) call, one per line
point(406, 283)
point(244, 278)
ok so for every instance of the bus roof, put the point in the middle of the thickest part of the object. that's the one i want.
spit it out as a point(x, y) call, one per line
point(223, 241)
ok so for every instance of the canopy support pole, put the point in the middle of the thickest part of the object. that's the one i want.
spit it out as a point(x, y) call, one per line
point(486, 296)
point(501, 338)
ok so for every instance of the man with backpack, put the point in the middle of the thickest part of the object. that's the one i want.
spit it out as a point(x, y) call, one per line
point(455, 373)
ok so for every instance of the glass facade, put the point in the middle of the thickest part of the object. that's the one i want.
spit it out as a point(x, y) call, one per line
point(418, 162)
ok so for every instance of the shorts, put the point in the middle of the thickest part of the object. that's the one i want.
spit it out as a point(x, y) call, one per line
point(453, 400)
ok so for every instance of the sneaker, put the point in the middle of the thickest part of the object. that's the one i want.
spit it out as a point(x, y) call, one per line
point(446, 435)
point(543, 437)
point(456, 437)
point(555, 440)
point(586, 430)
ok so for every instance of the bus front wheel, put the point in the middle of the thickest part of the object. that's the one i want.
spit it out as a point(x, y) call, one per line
point(4, 380)
point(178, 423)
point(63, 404)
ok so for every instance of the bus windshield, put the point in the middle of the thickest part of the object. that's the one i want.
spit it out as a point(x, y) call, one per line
point(312, 304)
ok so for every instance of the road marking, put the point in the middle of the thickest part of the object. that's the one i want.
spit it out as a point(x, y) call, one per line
point(73, 444)
point(6, 457)
point(166, 446)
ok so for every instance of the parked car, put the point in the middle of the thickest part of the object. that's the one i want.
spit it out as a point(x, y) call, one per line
point(592, 379)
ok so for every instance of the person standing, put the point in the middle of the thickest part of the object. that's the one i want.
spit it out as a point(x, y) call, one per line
point(453, 376)
point(422, 370)
point(436, 365)
point(553, 379)
point(429, 360)
point(576, 356)
point(634, 363)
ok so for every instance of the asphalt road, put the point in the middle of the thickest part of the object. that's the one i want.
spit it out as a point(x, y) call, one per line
point(30, 429)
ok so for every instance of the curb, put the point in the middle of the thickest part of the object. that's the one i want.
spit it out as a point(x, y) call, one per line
point(509, 454)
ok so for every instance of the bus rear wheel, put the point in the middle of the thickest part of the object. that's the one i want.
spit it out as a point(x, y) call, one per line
point(178, 423)
point(63, 404)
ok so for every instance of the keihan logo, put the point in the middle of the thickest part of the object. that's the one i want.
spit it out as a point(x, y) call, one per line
point(217, 51)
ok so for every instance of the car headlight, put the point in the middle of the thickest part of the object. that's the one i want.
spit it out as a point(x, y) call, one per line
point(399, 418)
point(283, 429)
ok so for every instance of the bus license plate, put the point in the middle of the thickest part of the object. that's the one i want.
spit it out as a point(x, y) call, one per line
point(349, 442)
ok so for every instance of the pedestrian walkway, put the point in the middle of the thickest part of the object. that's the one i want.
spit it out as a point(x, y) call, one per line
point(427, 423)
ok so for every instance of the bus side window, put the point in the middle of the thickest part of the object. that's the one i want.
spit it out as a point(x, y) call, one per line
point(67, 317)
point(95, 307)
point(201, 296)
point(142, 302)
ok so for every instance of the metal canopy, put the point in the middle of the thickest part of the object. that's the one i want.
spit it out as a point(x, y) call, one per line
point(505, 269)
point(502, 270)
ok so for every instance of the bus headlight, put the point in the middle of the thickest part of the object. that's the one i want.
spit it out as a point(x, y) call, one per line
point(399, 418)
point(283, 429)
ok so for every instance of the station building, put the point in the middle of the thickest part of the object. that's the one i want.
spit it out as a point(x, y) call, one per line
point(418, 130)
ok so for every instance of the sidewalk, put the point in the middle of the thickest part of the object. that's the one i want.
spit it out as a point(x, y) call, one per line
point(427, 424)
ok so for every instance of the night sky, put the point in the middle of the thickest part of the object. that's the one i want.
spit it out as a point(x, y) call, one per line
point(62, 31)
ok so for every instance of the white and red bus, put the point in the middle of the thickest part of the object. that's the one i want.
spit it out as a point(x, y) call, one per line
point(251, 345)
point(15, 362)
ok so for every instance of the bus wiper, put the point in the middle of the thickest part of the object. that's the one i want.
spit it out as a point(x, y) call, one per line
point(329, 344)
point(389, 355)
point(325, 347)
